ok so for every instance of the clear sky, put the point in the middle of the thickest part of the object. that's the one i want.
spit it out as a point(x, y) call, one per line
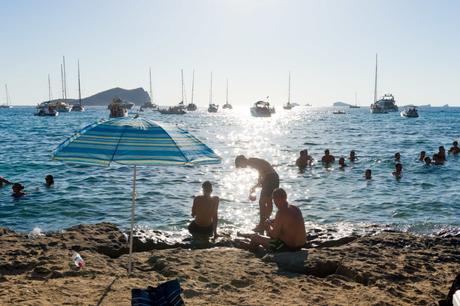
point(329, 47)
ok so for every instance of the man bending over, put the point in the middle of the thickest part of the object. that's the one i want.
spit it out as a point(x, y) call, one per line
point(286, 232)
point(204, 210)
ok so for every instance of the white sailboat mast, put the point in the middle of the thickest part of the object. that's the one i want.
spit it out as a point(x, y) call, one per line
point(150, 78)
point(182, 79)
point(7, 95)
point(210, 91)
point(226, 99)
point(193, 85)
point(375, 85)
point(65, 78)
point(289, 89)
point(62, 82)
point(79, 87)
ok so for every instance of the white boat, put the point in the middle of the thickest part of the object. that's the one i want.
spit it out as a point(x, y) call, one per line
point(150, 104)
point(47, 109)
point(227, 105)
point(191, 107)
point(356, 102)
point(7, 102)
point(386, 103)
point(78, 107)
point(212, 108)
point(338, 112)
point(410, 112)
point(289, 105)
point(261, 109)
point(117, 108)
point(62, 106)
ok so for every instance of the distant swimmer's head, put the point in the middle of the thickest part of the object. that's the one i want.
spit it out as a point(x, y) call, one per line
point(368, 174)
point(352, 154)
point(441, 149)
point(304, 152)
point(342, 161)
point(427, 160)
point(326, 152)
point(241, 161)
point(17, 189)
point(397, 156)
point(49, 180)
point(207, 187)
point(422, 154)
point(455, 143)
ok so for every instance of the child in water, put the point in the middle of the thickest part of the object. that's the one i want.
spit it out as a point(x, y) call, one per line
point(17, 190)
point(368, 174)
point(49, 180)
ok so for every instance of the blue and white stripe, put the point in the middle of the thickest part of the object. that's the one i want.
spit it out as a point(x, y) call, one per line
point(134, 141)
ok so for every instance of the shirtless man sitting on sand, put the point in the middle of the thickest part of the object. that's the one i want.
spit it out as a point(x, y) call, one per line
point(268, 180)
point(286, 232)
point(204, 210)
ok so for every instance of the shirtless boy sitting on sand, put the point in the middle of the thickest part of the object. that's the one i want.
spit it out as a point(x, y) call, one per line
point(286, 232)
point(204, 210)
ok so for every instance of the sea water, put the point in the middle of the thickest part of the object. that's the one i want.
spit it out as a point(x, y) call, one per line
point(424, 200)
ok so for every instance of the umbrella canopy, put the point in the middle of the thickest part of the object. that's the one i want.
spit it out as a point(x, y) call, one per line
point(134, 141)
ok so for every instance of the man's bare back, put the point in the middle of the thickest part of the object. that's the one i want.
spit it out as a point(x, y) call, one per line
point(291, 226)
point(204, 209)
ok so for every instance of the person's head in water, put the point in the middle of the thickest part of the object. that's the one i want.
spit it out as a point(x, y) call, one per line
point(442, 149)
point(368, 174)
point(342, 162)
point(279, 197)
point(241, 161)
point(455, 144)
point(352, 155)
point(49, 180)
point(422, 156)
point(397, 156)
point(326, 152)
point(427, 160)
point(207, 187)
point(17, 190)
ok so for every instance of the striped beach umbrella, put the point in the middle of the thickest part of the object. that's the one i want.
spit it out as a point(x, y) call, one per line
point(136, 142)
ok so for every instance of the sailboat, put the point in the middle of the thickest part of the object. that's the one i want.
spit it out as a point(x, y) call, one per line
point(212, 108)
point(78, 107)
point(149, 104)
point(7, 103)
point(191, 107)
point(289, 105)
point(47, 109)
point(227, 105)
point(386, 103)
point(63, 106)
point(178, 109)
point(356, 102)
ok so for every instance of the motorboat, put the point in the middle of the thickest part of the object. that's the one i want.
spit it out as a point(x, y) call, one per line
point(338, 112)
point(191, 107)
point(118, 108)
point(62, 107)
point(173, 110)
point(78, 108)
point(213, 108)
point(46, 109)
point(376, 109)
point(261, 109)
point(411, 112)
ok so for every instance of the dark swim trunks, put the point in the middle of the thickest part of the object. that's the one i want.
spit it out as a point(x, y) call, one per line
point(277, 245)
point(270, 183)
point(195, 229)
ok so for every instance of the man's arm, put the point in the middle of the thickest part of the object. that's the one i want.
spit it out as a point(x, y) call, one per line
point(4, 180)
point(273, 227)
point(194, 207)
point(215, 219)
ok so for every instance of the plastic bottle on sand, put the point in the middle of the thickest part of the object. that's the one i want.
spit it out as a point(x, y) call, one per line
point(78, 260)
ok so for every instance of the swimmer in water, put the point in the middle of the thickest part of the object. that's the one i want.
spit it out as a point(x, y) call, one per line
point(353, 156)
point(342, 164)
point(442, 154)
point(454, 149)
point(398, 171)
point(4, 181)
point(327, 159)
point(49, 180)
point(422, 156)
point(368, 174)
point(437, 160)
point(397, 157)
point(17, 190)
point(304, 160)
point(427, 161)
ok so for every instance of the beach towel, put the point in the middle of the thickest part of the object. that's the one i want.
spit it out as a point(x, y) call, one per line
point(166, 294)
point(453, 289)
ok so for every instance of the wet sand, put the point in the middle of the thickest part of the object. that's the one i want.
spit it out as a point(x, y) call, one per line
point(388, 268)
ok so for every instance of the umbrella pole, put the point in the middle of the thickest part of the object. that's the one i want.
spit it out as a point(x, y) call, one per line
point(130, 263)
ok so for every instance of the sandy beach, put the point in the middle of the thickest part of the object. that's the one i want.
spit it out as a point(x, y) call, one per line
point(388, 268)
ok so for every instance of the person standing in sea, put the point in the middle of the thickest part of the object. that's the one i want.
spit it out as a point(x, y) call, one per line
point(268, 180)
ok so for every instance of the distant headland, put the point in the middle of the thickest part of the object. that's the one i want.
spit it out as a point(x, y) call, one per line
point(138, 96)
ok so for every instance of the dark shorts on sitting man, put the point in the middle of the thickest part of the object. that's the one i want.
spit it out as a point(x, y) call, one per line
point(195, 229)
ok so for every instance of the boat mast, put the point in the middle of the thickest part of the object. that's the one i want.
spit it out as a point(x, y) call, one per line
point(7, 95)
point(210, 91)
point(375, 85)
point(182, 78)
point(79, 87)
point(226, 100)
point(150, 77)
point(62, 82)
point(289, 89)
point(49, 88)
point(65, 79)
point(193, 85)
